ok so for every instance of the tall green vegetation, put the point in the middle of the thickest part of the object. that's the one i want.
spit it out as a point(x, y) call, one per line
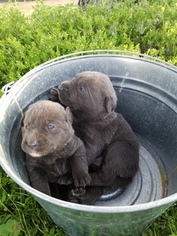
point(27, 41)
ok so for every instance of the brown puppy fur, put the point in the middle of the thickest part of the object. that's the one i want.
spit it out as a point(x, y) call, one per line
point(54, 153)
point(92, 100)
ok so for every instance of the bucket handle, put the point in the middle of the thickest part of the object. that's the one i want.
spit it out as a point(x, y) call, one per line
point(6, 88)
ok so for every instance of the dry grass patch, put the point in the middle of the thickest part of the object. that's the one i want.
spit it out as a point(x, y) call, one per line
point(27, 6)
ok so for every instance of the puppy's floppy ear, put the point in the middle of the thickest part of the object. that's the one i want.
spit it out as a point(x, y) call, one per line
point(69, 116)
point(110, 103)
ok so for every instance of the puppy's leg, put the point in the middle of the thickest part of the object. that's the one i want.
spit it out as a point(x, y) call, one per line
point(39, 180)
point(79, 174)
point(120, 164)
point(38, 176)
point(118, 182)
point(79, 167)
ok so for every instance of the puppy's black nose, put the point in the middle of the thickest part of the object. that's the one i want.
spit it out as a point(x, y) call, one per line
point(32, 144)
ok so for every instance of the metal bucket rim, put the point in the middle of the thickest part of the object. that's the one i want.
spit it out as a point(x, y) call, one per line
point(96, 53)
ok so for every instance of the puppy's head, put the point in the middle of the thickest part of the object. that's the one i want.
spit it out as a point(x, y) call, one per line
point(46, 126)
point(90, 93)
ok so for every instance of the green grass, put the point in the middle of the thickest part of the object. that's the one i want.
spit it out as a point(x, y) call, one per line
point(25, 42)
point(20, 214)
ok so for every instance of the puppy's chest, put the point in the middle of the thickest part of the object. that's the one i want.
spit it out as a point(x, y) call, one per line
point(96, 135)
point(58, 168)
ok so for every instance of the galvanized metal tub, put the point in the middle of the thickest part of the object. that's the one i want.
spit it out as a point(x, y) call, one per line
point(147, 97)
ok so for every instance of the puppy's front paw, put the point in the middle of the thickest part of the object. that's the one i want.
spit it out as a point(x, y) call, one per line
point(90, 195)
point(53, 95)
point(79, 191)
point(82, 179)
point(75, 194)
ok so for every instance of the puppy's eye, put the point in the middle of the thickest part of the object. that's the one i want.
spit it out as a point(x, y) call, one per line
point(50, 126)
point(81, 89)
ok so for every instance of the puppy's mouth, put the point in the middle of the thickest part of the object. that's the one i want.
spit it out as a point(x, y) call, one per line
point(35, 151)
point(38, 154)
point(35, 154)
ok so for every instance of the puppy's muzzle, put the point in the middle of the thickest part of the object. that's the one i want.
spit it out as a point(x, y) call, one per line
point(64, 86)
point(63, 89)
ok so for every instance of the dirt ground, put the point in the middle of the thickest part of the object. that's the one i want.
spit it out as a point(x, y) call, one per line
point(27, 6)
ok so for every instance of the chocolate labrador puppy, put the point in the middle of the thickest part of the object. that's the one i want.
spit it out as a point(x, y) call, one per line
point(92, 100)
point(54, 154)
